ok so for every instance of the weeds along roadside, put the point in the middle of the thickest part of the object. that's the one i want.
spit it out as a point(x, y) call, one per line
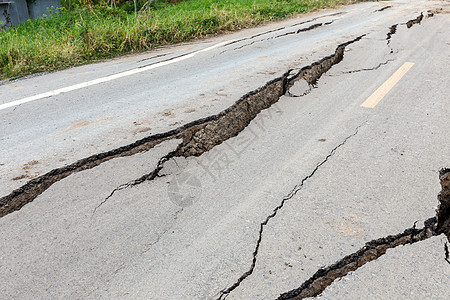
point(83, 31)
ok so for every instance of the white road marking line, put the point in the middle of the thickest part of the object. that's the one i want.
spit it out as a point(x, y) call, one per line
point(106, 78)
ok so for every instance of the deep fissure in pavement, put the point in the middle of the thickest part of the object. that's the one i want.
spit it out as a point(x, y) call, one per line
point(197, 137)
point(443, 211)
point(446, 253)
point(28, 192)
point(204, 136)
point(371, 251)
point(383, 8)
point(376, 248)
point(392, 31)
point(417, 20)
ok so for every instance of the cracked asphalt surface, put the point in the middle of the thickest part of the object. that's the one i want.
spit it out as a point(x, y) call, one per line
point(241, 172)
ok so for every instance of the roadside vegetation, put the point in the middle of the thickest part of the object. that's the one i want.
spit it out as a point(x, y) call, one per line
point(84, 31)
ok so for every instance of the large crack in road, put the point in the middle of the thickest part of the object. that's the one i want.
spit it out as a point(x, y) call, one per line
point(440, 224)
point(197, 137)
point(202, 137)
point(392, 31)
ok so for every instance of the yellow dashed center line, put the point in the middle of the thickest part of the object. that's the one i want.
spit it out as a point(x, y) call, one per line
point(379, 94)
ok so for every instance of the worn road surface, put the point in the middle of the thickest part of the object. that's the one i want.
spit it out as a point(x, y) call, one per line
point(252, 165)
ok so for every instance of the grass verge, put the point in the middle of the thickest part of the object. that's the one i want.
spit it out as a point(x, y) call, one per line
point(82, 35)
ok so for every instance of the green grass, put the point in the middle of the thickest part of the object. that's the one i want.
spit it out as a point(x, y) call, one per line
point(82, 35)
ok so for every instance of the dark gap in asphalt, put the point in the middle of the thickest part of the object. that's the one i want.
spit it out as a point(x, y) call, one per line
point(383, 8)
point(204, 136)
point(417, 20)
point(446, 253)
point(440, 224)
point(197, 137)
point(392, 31)
point(443, 211)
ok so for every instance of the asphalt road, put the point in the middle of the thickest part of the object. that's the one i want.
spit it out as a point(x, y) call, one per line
point(249, 161)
